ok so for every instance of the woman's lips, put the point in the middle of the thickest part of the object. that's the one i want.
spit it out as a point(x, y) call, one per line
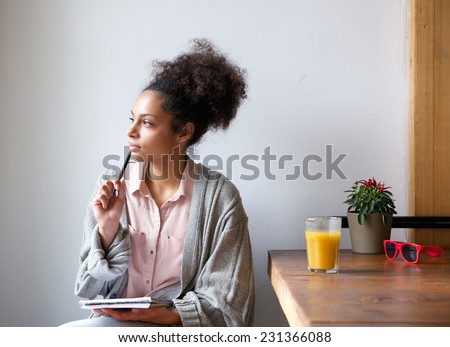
point(133, 147)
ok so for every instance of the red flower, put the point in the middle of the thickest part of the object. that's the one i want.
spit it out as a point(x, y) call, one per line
point(373, 183)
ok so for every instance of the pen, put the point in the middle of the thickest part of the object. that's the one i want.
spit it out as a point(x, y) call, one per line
point(125, 163)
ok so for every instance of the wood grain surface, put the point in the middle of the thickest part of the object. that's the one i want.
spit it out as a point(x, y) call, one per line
point(369, 290)
point(429, 149)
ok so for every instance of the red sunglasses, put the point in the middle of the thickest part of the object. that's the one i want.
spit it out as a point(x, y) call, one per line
point(410, 252)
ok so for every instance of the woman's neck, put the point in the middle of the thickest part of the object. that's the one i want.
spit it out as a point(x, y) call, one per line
point(163, 177)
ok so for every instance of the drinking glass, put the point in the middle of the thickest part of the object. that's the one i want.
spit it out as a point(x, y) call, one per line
point(322, 243)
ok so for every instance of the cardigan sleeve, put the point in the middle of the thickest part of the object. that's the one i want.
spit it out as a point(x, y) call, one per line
point(223, 292)
point(100, 270)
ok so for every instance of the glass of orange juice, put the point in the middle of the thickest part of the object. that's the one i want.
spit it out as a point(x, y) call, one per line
point(322, 243)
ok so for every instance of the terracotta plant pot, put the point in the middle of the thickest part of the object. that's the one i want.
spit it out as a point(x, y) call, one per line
point(368, 238)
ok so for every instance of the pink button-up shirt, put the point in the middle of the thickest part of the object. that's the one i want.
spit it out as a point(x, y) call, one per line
point(157, 234)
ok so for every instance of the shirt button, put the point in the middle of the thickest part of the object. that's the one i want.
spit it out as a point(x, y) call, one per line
point(148, 282)
point(151, 252)
point(168, 237)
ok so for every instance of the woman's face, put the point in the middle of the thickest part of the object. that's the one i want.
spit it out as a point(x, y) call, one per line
point(151, 135)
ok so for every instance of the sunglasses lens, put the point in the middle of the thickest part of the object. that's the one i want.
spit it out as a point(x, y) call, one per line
point(390, 249)
point(409, 252)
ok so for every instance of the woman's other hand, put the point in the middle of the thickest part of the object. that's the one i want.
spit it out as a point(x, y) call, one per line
point(156, 315)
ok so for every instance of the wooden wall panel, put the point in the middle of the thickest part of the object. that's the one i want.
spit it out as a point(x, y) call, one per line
point(429, 185)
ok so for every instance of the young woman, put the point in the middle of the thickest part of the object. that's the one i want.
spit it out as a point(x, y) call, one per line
point(175, 230)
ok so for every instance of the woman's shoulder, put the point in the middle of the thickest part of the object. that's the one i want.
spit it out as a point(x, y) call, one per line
point(213, 177)
point(215, 184)
point(108, 175)
point(218, 194)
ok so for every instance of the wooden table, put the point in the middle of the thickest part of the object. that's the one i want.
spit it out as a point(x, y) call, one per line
point(369, 290)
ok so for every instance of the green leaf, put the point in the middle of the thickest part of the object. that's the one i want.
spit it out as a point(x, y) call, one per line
point(371, 206)
point(361, 218)
point(364, 209)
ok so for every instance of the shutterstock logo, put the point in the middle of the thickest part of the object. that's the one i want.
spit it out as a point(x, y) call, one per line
point(265, 165)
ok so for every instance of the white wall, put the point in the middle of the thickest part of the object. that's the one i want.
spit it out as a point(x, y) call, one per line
point(320, 72)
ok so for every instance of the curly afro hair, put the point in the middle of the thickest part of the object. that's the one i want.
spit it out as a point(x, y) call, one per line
point(200, 86)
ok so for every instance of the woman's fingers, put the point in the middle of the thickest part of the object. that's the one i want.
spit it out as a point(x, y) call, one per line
point(117, 314)
point(119, 188)
point(104, 194)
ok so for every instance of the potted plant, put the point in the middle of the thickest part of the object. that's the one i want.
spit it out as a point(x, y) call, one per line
point(370, 211)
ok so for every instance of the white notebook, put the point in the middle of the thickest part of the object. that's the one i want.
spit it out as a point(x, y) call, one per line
point(142, 302)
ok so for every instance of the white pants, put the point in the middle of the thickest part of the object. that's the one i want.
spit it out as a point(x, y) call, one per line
point(106, 321)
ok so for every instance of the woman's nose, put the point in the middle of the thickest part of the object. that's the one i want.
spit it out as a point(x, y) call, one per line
point(132, 130)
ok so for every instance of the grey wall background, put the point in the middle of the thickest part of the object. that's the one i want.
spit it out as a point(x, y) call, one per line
point(320, 72)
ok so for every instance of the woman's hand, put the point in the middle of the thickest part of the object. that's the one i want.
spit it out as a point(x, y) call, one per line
point(156, 315)
point(108, 209)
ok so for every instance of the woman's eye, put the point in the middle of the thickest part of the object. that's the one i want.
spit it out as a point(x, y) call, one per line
point(147, 123)
point(131, 119)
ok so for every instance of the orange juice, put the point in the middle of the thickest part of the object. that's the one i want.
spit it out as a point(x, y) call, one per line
point(323, 249)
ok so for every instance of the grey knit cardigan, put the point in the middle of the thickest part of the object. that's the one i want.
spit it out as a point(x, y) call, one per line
point(217, 283)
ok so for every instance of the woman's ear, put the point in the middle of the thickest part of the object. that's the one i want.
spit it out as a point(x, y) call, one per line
point(186, 133)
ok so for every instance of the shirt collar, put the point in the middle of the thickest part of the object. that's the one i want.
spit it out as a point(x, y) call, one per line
point(187, 182)
point(137, 180)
